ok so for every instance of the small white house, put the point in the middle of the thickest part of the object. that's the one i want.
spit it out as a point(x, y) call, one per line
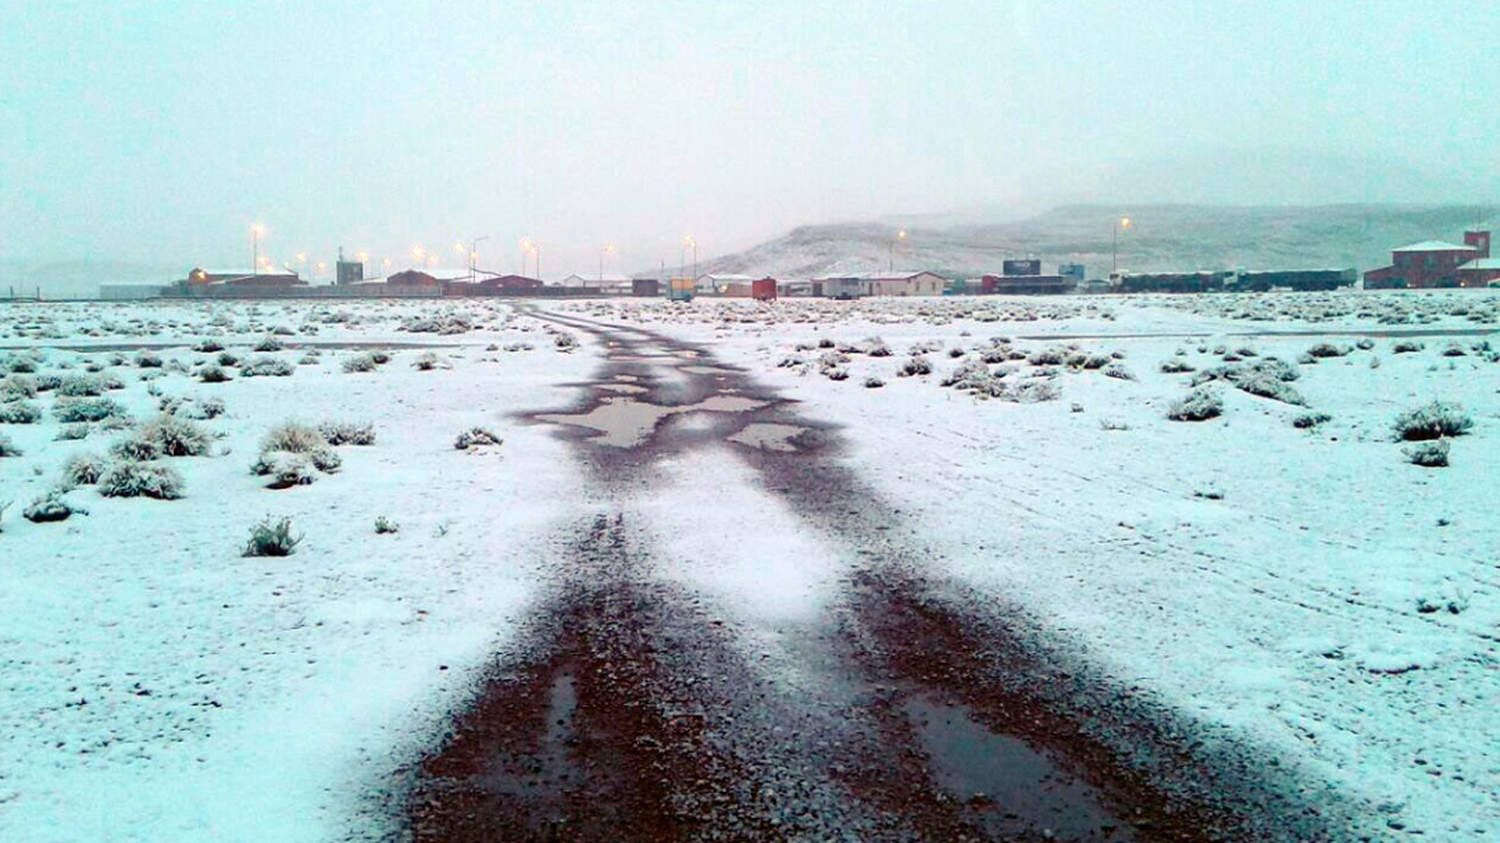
point(711, 284)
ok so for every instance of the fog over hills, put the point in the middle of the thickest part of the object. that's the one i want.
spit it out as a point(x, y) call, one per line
point(1160, 237)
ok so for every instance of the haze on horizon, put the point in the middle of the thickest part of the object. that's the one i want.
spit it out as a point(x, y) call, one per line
point(158, 133)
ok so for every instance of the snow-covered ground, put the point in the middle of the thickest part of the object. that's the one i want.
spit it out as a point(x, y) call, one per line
point(157, 685)
point(1309, 589)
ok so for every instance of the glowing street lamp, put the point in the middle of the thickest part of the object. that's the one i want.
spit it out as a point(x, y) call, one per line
point(529, 246)
point(322, 267)
point(607, 250)
point(688, 242)
point(256, 231)
point(1123, 224)
point(474, 255)
point(895, 241)
point(418, 253)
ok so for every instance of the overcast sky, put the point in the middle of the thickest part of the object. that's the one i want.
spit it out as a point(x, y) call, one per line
point(160, 131)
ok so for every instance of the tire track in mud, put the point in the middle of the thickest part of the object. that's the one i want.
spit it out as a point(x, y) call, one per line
point(628, 710)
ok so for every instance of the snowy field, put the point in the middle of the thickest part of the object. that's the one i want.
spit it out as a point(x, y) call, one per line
point(1305, 587)
point(157, 685)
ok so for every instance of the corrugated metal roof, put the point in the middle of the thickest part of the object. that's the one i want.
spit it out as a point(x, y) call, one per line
point(1435, 246)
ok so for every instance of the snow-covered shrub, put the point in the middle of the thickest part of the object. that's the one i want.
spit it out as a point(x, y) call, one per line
point(272, 538)
point(1435, 420)
point(1328, 349)
point(69, 410)
point(1453, 349)
point(16, 387)
point(148, 359)
point(1032, 392)
point(1268, 386)
point(8, 447)
point(19, 365)
point(267, 343)
point(1308, 421)
point(1099, 361)
point(326, 460)
point(565, 341)
point(311, 357)
point(266, 367)
point(212, 373)
point(446, 324)
point(135, 449)
point(1118, 372)
point(1198, 405)
point(917, 364)
point(48, 383)
point(286, 469)
point(359, 363)
point(51, 507)
point(1048, 357)
point(175, 437)
point(874, 383)
point(384, 526)
point(206, 408)
point(426, 362)
point(83, 469)
point(1364, 344)
point(1432, 454)
point(956, 352)
point(294, 438)
point(476, 437)
point(837, 373)
point(228, 359)
point(876, 347)
point(72, 432)
point(79, 386)
point(19, 412)
point(347, 433)
point(207, 346)
point(135, 479)
point(1176, 366)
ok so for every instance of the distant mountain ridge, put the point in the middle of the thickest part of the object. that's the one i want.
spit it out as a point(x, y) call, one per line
point(1159, 238)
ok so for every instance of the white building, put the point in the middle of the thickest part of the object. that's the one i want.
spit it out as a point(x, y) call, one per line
point(711, 284)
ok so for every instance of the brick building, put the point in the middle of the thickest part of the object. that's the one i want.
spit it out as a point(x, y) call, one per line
point(1432, 264)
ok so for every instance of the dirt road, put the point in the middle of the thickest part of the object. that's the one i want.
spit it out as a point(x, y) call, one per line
point(914, 710)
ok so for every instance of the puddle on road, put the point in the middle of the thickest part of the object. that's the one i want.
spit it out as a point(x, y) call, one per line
point(622, 422)
point(626, 423)
point(706, 370)
point(1008, 787)
point(628, 388)
point(551, 769)
point(768, 435)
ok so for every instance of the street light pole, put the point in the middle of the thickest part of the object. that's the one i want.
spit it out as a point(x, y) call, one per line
point(891, 262)
point(255, 232)
point(606, 250)
point(1115, 230)
point(690, 242)
point(474, 255)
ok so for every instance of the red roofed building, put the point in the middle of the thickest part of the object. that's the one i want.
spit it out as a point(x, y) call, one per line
point(1431, 264)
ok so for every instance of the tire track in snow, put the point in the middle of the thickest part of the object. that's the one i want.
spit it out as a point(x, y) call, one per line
point(633, 712)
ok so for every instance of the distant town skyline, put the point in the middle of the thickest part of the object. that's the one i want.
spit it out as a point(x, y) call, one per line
point(161, 133)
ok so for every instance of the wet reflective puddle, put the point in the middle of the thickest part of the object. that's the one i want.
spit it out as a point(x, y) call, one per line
point(627, 423)
point(1004, 784)
point(768, 435)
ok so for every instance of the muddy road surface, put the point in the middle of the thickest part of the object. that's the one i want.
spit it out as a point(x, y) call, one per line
point(635, 708)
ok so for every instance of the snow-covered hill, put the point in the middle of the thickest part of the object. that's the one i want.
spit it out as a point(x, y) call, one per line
point(1160, 237)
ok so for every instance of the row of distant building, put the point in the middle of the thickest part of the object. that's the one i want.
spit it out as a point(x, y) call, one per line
point(1427, 265)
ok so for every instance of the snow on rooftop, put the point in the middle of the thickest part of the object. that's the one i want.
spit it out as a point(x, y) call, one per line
point(1481, 263)
point(1435, 246)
